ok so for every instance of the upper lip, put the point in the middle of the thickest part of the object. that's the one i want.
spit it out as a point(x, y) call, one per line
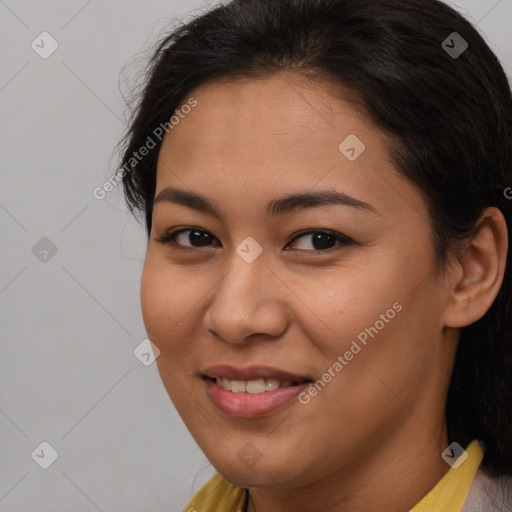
point(251, 373)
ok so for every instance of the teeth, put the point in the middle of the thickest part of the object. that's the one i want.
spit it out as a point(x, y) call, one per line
point(252, 386)
point(226, 384)
point(271, 384)
point(255, 386)
point(237, 386)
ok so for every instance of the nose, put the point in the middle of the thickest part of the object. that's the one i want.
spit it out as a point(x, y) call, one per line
point(247, 303)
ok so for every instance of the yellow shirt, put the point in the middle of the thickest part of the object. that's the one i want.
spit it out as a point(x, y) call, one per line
point(218, 495)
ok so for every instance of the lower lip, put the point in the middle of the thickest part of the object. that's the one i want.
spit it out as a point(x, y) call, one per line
point(251, 405)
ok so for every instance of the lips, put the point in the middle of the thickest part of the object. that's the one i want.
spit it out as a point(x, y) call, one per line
point(251, 405)
point(251, 373)
point(253, 391)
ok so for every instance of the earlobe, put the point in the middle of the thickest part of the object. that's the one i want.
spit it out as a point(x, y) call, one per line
point(480, 270)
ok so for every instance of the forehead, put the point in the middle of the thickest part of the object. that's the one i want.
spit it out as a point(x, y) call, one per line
point(281, 113)
point(274, 135)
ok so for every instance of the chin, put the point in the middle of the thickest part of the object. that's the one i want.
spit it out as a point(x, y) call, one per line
point(263, 472)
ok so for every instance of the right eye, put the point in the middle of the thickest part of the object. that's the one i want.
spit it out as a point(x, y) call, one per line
point(195, 235)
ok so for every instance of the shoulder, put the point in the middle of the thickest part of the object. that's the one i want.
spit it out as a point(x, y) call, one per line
point(489, 494)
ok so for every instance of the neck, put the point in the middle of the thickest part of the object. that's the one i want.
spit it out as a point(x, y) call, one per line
point(393, 478)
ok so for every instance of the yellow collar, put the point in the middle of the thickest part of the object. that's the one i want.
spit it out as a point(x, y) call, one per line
point(451, 491)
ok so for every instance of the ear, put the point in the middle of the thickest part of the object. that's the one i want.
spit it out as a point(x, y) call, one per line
point(478, 274)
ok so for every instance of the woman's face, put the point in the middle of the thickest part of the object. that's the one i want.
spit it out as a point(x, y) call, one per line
point(341, 293)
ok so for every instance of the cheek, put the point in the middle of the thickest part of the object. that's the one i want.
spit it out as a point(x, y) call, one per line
point(344, 302)
point(166, 299)
point(370, 318)
point(167, 303)
point(153, 299)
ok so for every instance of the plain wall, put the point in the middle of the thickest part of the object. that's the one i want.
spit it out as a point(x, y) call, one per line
point(68, 374)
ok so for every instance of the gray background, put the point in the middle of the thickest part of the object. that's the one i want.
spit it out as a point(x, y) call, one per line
point(68, 374)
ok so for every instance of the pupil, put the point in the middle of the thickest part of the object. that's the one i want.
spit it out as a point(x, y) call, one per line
point(200, 237)
point(319, 241)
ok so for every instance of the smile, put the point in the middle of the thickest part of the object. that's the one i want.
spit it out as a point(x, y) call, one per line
point(253, 386)
point(252, 399)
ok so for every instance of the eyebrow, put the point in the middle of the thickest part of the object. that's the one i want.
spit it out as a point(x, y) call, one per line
point(275, 207)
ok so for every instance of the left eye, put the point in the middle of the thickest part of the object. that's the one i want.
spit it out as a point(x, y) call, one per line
point(323, 240)
point(320, 240)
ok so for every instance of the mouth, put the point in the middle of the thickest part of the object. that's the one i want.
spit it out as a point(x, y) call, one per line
point(252, 374)
point(262, 385)
point(252, 392)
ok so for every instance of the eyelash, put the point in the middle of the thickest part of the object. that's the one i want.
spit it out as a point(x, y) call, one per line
point(168, 239)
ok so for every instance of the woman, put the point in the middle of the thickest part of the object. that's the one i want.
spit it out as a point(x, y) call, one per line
point(328, 276)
